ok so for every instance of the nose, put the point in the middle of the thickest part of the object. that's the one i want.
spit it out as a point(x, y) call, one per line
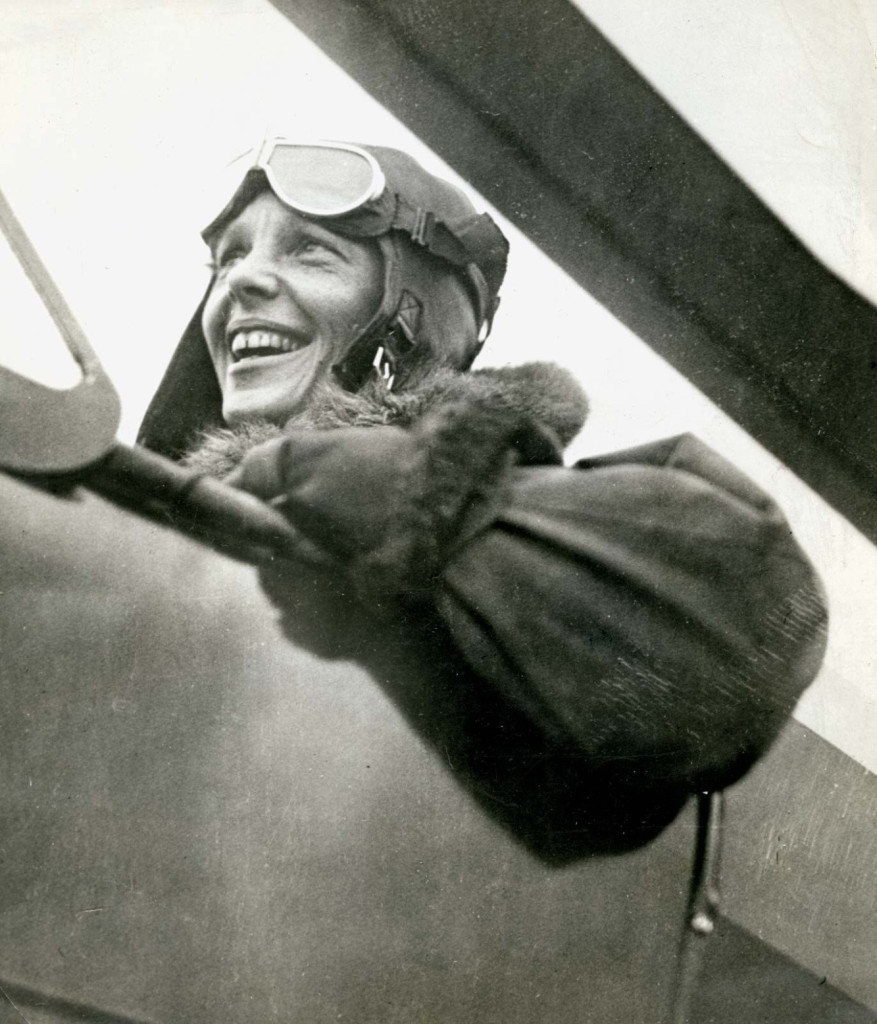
point(253, 275)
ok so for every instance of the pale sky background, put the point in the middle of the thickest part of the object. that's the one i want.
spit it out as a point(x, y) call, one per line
point(115, 116)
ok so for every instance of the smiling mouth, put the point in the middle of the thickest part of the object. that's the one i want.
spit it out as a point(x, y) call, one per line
point(259, 342)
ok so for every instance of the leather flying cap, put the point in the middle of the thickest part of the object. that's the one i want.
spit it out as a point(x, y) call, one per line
point(442, 259)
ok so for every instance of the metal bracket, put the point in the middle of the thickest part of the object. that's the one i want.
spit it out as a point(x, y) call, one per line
point(704, 897)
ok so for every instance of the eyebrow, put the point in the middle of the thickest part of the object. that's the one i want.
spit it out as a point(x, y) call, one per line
point(320, 233)
point(217, 239)
point(311, 229)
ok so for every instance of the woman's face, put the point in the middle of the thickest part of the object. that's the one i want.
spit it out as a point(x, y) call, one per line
point(287, 300)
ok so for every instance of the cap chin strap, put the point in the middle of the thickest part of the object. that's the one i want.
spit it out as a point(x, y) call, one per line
point(389, 344)
point(384, 350)
point(354, 369)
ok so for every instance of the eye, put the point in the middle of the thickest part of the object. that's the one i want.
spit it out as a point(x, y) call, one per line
point(314, 249)
point(223, 259)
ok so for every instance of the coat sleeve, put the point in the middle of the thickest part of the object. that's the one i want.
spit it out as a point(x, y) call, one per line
point(648, 609)
point(651, 605)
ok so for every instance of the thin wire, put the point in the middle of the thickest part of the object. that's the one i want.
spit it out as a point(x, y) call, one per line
point(12, 1004)
point(71, 1010)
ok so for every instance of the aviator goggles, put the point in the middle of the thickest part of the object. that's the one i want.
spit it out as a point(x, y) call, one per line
point(326, 179)
point(366, 192)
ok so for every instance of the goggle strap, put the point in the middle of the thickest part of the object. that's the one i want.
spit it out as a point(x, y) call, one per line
point(477, 240)
point(476, 245)
point(423, 228)
point(488, 247)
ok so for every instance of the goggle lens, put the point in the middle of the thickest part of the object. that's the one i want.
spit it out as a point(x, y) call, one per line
point(322, 180)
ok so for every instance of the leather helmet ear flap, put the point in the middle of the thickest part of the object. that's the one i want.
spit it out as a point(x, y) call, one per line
point(188, 399)
point(353, 369)
point(435, 310)
point(427, 318)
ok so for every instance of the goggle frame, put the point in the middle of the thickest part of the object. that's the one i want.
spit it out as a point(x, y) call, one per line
point(373, 191)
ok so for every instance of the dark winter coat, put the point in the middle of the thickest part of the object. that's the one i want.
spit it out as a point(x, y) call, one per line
point(585, 646)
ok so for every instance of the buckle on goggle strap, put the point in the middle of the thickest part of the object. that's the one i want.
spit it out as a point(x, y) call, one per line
point(423, 228)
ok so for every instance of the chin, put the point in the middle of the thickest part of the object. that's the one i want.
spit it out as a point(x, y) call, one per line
point(242, 407)
point(273, 389)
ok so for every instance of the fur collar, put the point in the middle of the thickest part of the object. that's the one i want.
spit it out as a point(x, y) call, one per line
point(542, 391)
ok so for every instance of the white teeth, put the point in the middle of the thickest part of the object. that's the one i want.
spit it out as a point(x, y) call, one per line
point(261, 339)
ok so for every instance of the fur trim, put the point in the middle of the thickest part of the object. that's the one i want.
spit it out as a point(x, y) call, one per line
point(453, 490)
point(218, 452)
point(541, 391)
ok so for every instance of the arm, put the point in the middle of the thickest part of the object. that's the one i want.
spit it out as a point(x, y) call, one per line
point(651, 604)
point(645, 619)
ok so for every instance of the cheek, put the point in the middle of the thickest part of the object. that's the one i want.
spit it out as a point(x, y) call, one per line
point(344, 312)
point(212, 324)
point(364, 299)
